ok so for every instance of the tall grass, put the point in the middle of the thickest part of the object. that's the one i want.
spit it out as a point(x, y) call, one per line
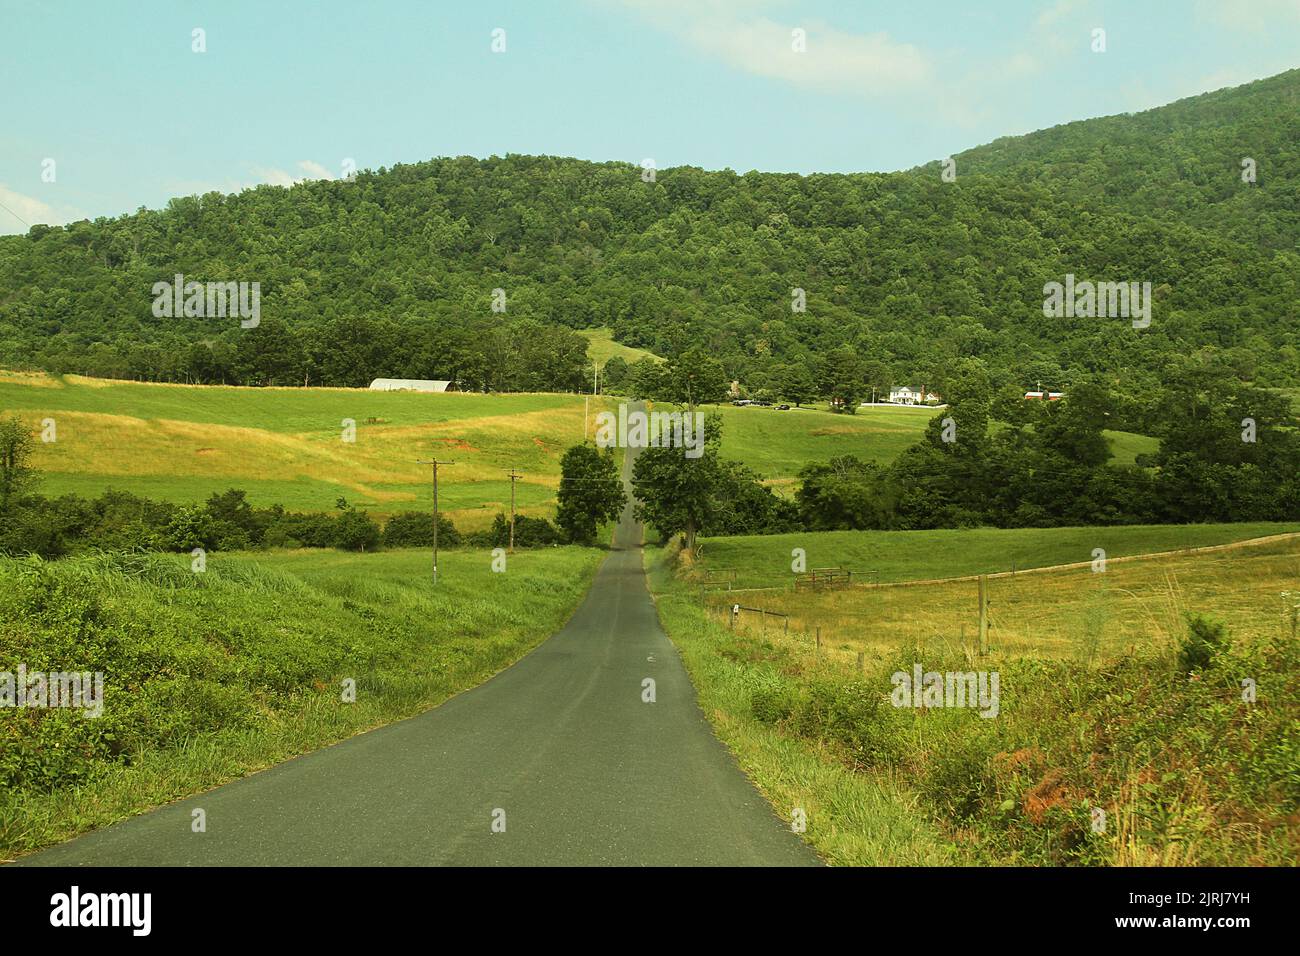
point(209, 676)
point(1099, 708)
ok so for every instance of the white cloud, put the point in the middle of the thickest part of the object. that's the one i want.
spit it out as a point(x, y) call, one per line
point(1058, 11)
point(278, 177)
point(314, 170)
point(18, 212)
point(1255, 16)
point(275, 177)
point(835, 61)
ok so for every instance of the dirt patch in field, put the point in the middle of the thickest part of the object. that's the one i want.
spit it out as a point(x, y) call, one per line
point(459, 444)
point(1049, 792)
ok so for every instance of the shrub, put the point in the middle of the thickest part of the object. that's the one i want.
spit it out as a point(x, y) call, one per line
point(529, 533)
point(772, 704)
point(414, 529)
point(1204, 641)
point(354, 531)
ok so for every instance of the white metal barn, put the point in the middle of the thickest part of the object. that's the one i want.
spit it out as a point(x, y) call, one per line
point(407, 385)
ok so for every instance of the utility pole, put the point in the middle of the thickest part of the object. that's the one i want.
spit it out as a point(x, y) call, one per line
point(435, 464)
point(514, 476)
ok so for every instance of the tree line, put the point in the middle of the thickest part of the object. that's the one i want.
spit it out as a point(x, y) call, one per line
point(397, 273)
point(1227, 452)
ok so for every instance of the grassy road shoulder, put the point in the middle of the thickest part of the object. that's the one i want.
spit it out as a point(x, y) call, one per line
point(212, 676)
point(1174, 745)
point(852, 819)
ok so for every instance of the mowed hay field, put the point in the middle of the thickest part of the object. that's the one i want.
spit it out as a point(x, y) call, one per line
point(765, 560)
point(1140, 603)
point(285, 445)
point(601, 347)
point(777, 444)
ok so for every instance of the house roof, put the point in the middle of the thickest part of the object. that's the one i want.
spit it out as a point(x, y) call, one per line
point(409, 384)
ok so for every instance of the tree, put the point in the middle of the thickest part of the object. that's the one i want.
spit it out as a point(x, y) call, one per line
point(676, 493)
point(695, 377)
point(794, 383)
point(1073, 427)
point(16, 474)
point(590, 494)
point(844, 494)
point(613, 374)
point(647, 378)
point(354, 531)
point(843, 380)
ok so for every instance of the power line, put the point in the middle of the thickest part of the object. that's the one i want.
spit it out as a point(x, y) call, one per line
point(15, 215)
point(435, 464)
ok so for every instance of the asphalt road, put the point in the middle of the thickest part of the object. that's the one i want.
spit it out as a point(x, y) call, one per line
point(560, 747)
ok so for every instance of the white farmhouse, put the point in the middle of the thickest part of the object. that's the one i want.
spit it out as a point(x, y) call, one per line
point(407, 385)
point(907, 395)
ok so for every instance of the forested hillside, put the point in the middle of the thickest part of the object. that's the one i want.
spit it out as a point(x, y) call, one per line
point(393, 274)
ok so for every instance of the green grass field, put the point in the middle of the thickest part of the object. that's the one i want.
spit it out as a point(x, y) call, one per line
point(765, 560)
point(1096, 710)
point(285, 445)
point(778, 444)
point(601, 347)
point(212, 676)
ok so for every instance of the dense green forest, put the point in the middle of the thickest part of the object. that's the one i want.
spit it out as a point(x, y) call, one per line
point(394, 274)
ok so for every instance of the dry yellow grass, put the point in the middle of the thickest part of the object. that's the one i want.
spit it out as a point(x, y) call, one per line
point(35, 379)
point(184, 442)
point(1071, 612)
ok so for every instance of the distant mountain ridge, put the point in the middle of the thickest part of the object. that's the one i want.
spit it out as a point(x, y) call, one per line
point(910, 271)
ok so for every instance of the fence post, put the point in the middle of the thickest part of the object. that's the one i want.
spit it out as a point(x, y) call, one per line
point(984, 614)
point(818, 651)
point(860, 664)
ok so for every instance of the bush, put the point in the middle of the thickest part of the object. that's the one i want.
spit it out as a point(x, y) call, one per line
point(772, 704)
point(529, 533)
point(414, 529)
point(354, 531)
point(958, 775)
point(1204, 641)
point(852, 715)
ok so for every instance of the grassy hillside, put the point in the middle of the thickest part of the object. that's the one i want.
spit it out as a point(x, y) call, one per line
point(601, 347)
point(1099, 708)
point(284, 445)
point(765, 560)
point(778, 444)
point(211, 676)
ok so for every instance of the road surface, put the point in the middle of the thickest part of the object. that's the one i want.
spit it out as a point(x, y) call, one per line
point(560, 748)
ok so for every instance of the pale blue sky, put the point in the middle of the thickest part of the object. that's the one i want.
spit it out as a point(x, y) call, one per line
point(114, 94)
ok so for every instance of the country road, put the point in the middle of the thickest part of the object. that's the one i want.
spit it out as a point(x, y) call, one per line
point(560, 746)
